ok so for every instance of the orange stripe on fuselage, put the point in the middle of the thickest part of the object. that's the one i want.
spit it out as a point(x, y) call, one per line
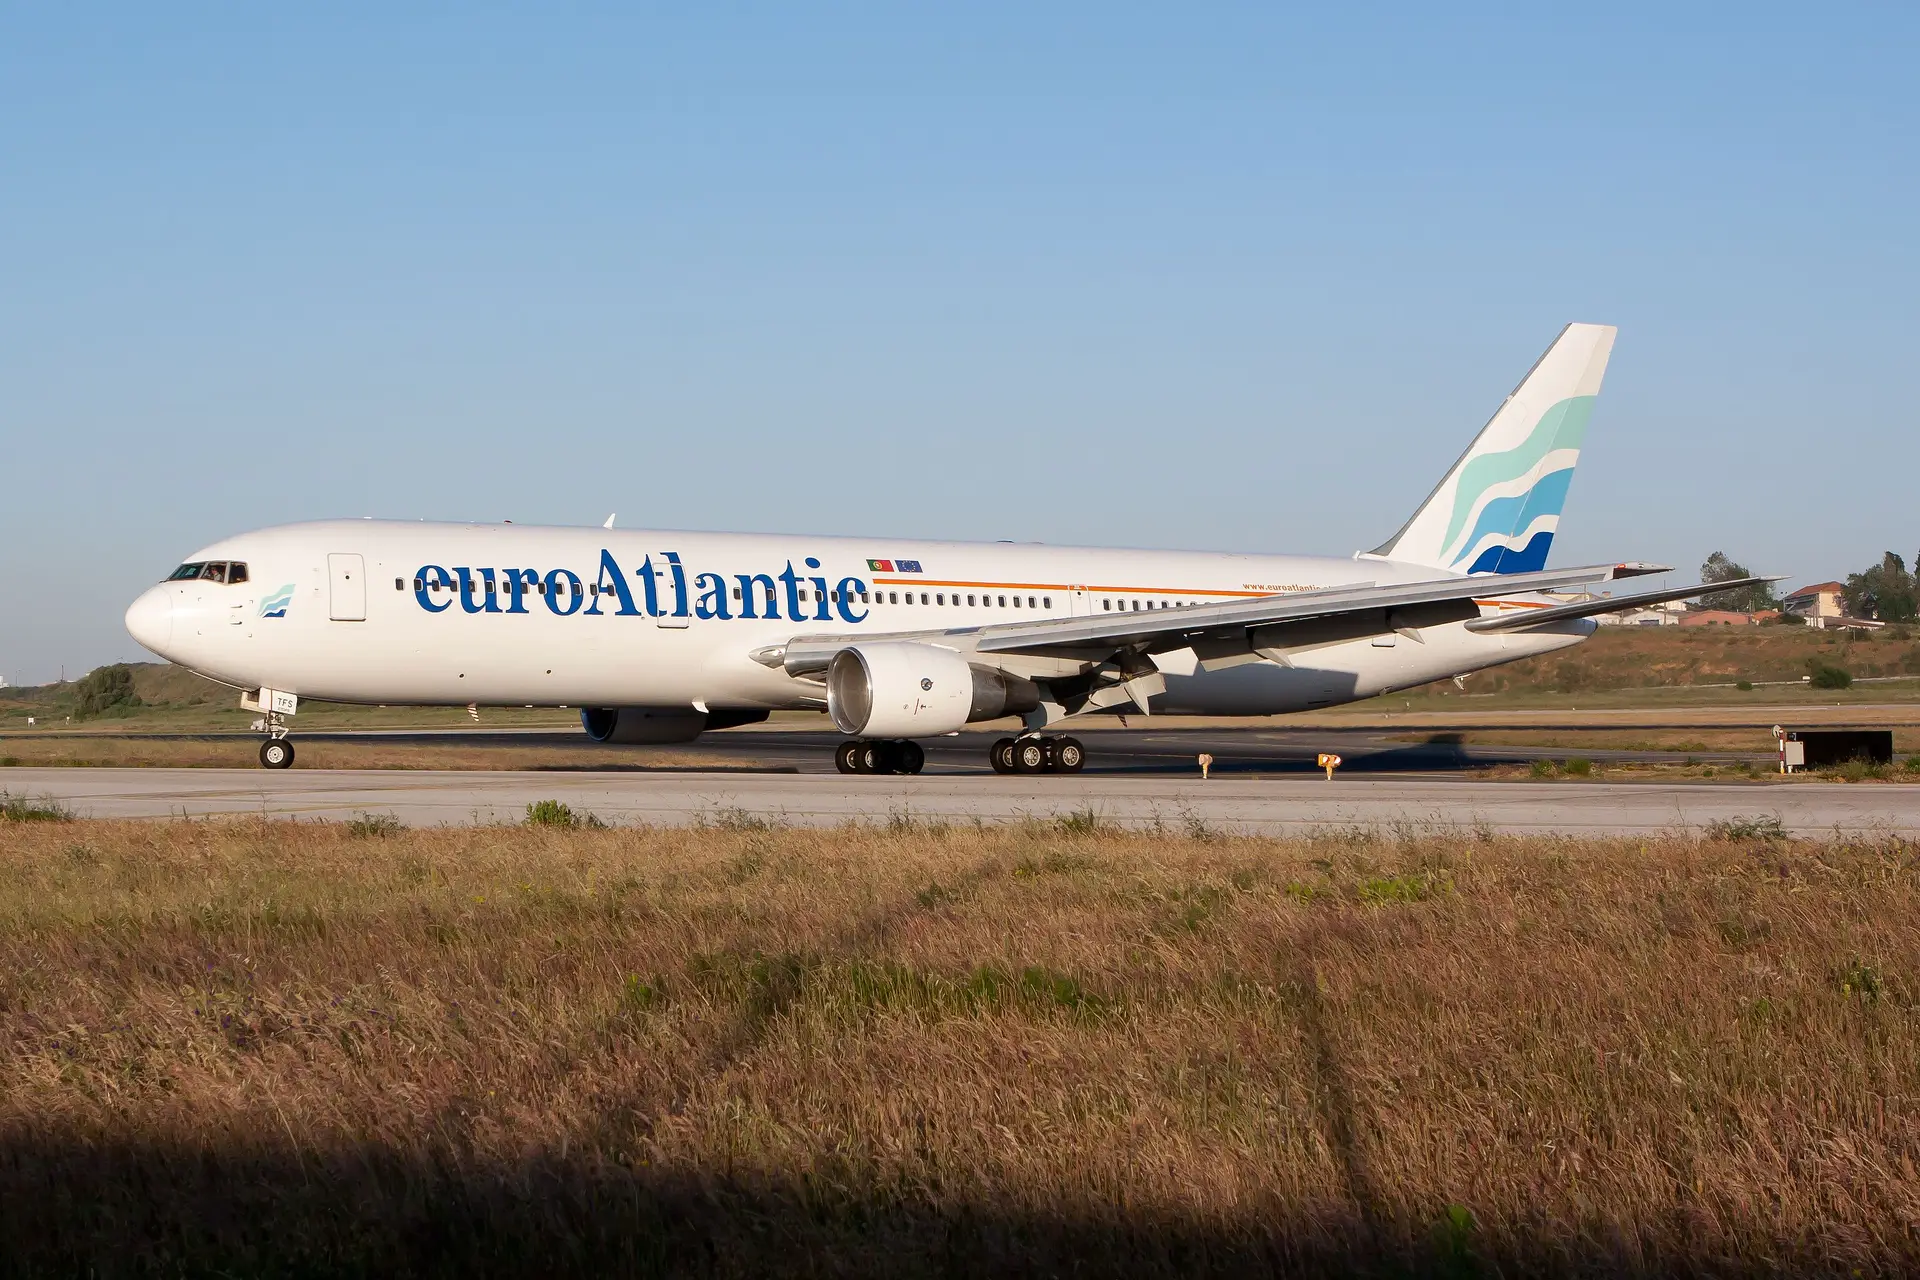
point(1065, 586)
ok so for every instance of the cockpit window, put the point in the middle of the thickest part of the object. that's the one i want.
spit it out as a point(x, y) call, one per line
point(227, 571)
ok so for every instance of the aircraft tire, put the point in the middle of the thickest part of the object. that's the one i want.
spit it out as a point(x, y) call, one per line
point(846, 756)
point(876, 757)
point(908, 756)
point(1029, 755)
point(1001, 755)
point(276, 753)
point(1066, 755)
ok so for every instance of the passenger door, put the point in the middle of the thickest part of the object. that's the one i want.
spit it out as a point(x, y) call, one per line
point(346, 588)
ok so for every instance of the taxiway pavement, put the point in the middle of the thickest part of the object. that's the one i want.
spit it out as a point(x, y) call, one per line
point(1229, 803)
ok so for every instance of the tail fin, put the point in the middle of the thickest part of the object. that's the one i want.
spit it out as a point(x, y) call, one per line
point(1497, 509)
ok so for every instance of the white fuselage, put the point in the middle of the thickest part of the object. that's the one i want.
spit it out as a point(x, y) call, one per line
point(394, 612)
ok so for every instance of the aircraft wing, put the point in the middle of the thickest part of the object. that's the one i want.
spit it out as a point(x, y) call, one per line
point(1231, 632)
point(1588, 608)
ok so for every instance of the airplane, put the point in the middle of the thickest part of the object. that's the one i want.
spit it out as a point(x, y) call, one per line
point(660, 636)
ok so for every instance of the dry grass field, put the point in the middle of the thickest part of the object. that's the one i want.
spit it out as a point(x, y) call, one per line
point(264, 1048)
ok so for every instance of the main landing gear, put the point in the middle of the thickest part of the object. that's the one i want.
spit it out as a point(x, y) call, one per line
point(879, 755)
point(1039, 754)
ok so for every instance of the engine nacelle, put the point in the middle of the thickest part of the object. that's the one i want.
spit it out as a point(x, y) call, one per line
point(642, 724)
point(899, 689)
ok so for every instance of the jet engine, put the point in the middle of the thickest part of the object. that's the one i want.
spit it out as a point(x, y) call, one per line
point(635, 725)
point(905, 690)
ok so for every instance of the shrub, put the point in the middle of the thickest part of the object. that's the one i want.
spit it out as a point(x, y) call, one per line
point(105, 689)
point(1913, 764)
point(556, 813)
point(370, 826)
point(20, 809)
point(1758, 826)
point(1578, 767)
point(1825, 675)
point(1744, 686)
point(1541, 768)
point(1081, 822)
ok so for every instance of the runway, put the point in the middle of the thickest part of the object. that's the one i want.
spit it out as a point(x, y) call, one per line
point(1179, 803)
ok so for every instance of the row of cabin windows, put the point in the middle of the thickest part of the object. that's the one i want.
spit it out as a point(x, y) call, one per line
point(876, 597)
point(227, 571)
point(224, 571)
point(976, 600)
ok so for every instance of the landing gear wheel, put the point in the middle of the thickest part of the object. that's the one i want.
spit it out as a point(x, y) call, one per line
point(908, 757)
point(1029, 755)
point(848, 756)
point(1067, 755)
point(276, 753)
point(1001, 754)
point(875, 757)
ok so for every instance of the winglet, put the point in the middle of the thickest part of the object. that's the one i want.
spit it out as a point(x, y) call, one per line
point(610, 516)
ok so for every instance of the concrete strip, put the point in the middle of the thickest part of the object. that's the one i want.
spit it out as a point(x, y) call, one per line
point(1237, 804)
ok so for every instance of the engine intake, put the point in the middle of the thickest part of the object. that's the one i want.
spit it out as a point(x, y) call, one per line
point(906, 690)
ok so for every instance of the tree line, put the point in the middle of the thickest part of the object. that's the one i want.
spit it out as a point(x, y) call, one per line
point(1885, 591)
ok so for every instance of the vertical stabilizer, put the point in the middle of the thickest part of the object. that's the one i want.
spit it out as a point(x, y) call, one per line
point(1497, 509)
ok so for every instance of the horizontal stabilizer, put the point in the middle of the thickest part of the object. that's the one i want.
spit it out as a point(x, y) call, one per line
point(1589, 608)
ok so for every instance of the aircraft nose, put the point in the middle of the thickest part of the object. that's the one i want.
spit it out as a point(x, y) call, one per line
point(150, 619)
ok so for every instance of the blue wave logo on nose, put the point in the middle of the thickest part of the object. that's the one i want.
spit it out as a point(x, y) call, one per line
point(275, 605)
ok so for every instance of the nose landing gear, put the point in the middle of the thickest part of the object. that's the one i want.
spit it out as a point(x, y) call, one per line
point(879, 755)
point(275, 706)
point(1038, 754)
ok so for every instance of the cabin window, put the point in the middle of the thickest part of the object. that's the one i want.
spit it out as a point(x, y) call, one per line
point(1107, 605)
point(893, 597)
point(186, 572)
point(216, 571)
point(1003, 602)
point(863, 598)
point(419, 585)
point(236, 572)
point(1030, 603)
point(1047, 601)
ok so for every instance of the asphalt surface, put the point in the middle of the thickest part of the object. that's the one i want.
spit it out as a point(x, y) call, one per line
point(1143, 748)
point(1263, 779)
point(1235, 803)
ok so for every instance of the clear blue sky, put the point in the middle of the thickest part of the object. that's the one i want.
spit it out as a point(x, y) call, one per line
point(1177, 276)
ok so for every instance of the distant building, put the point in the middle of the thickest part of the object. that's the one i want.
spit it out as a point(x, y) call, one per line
point(1724, 618)
point(1657, 615)
point(1817, 605)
